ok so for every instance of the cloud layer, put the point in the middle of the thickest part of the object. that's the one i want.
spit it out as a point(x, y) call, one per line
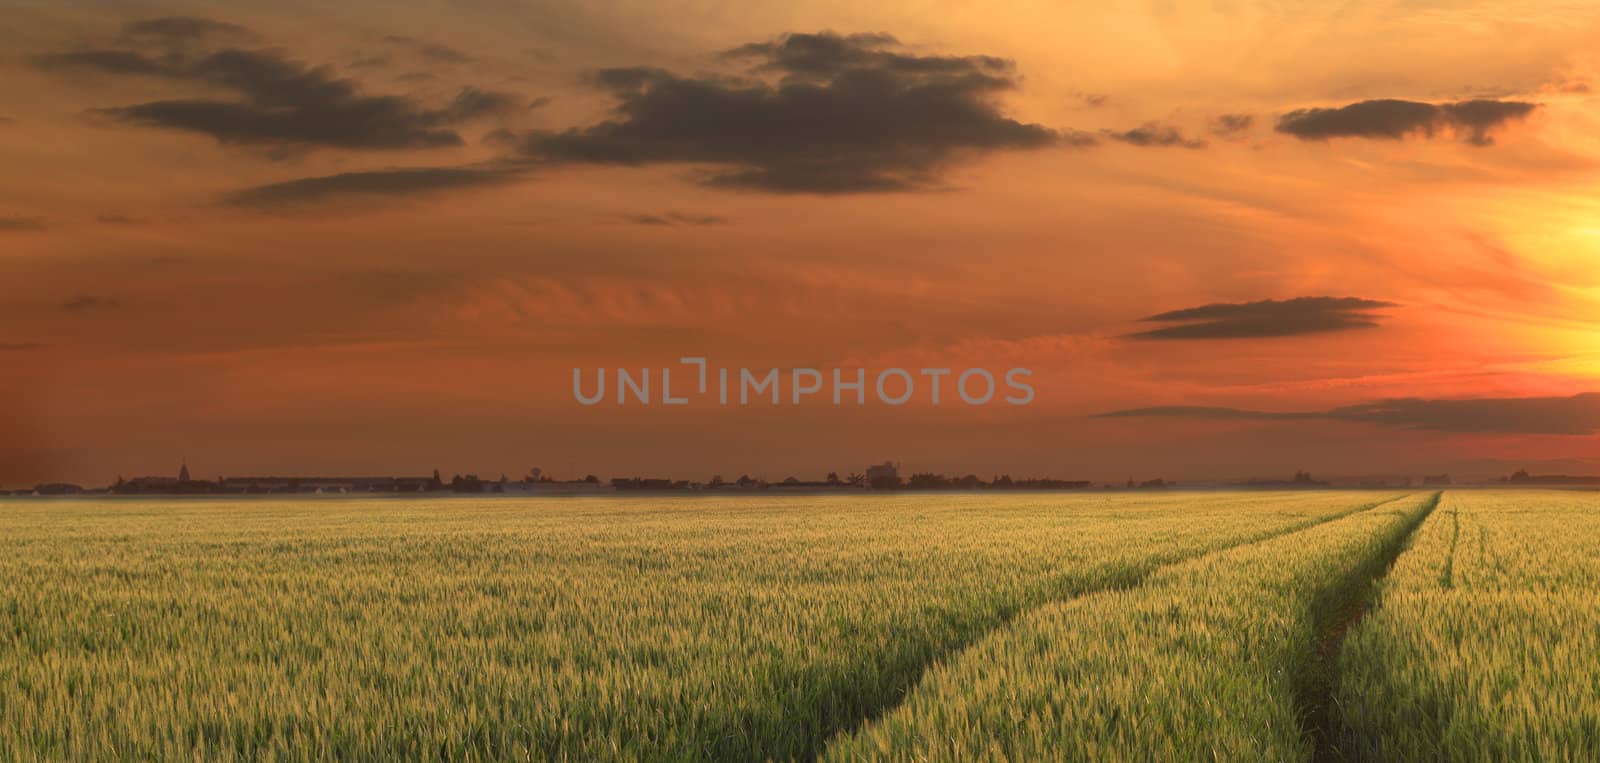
point(400, 181)
point(1266, 318)
point(1394, 119)
point(1575, 415)
point(275, 100)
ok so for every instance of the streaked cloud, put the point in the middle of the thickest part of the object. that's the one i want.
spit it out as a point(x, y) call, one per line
point(1266, 318)
point(1575, 415)
point(395, 182)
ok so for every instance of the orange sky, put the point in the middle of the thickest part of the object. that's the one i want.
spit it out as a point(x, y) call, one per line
point(524, 188)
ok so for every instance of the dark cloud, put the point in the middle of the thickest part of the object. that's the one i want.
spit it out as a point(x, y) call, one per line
point(1153, 134)
point(676, 218)
point(432, 51)
point(4, 120)
point(90, 303)
point(406, 181)
point(822, 113)
point(20, 346)
point(1393, 119)
point(280, 101)
point(1575, 415)
point(21, 223)
point(1267, 318)
point(1230, 125)
point(114, 219)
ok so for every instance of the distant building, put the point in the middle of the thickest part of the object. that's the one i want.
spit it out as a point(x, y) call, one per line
point(182, 484)
point(795, 483)
point(322, 485)
point(883, 476)
point(537, 483)
point(1302, 479)
point(1437, 480)
point(147, 485)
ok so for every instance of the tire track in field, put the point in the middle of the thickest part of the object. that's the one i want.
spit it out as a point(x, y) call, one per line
point(1351, 602)
point(902, 691)
point(1447, 576)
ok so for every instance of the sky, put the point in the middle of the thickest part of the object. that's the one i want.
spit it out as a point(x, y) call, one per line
point(1227, 239)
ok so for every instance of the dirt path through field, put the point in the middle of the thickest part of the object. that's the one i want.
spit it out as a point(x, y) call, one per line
point(1315, 696)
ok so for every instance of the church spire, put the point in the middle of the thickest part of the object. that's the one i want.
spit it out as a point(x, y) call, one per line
point(183, 471)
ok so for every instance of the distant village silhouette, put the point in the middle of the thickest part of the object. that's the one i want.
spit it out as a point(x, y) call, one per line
point(878, 477)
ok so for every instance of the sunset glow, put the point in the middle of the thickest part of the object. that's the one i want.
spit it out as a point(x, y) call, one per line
point(380, 238)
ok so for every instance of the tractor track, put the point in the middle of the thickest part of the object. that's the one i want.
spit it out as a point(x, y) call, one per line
point(953, 651)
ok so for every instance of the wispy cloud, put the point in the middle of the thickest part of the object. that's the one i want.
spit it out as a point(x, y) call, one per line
point(431, 51)
point(1154, 134)
point(1232, 125)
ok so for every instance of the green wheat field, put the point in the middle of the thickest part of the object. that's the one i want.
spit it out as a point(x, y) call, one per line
point(1321, 625)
